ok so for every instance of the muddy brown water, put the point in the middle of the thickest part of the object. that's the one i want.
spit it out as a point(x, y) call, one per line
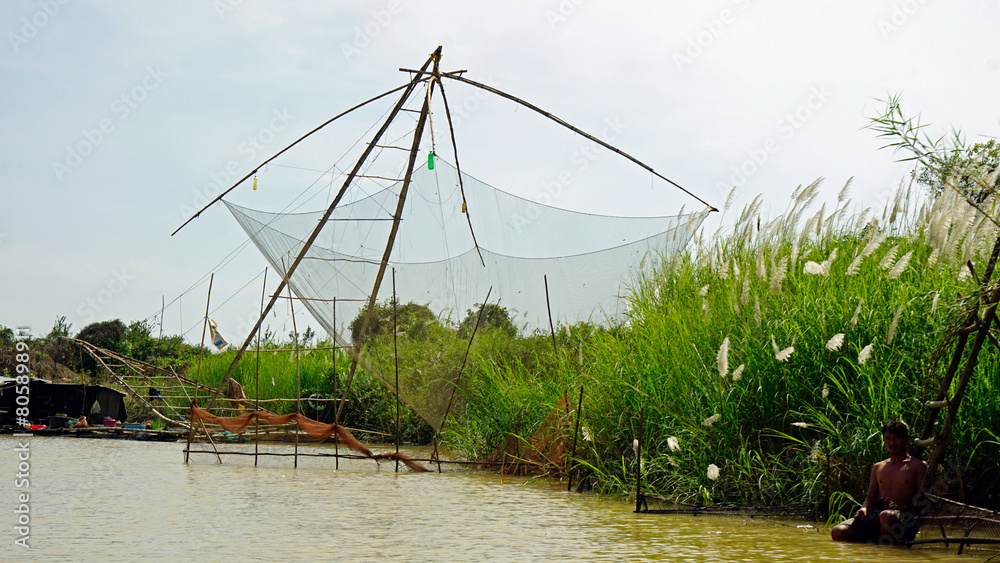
point(111, 500)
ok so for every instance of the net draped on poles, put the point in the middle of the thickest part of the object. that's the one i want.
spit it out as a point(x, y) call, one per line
point(588, 260)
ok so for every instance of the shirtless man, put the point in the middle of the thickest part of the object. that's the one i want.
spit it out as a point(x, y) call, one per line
point(885, 514)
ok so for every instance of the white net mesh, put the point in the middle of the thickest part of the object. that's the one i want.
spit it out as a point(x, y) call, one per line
point(589, 260)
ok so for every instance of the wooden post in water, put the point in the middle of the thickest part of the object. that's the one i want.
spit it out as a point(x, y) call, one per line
point(201, 352)
point(256, 377)
point(576, 432)
point(638, 463)
point(336, 352)
point(395, 355)
point(298, 384)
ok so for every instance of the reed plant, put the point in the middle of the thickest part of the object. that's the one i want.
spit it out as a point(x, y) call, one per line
point(765, 360)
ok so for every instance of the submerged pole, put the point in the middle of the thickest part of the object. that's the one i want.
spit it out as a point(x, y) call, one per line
point(638, 463)
point(197, 376)
point(576, 432)
point(256, 377)
point(298, 384)
point(395, 354)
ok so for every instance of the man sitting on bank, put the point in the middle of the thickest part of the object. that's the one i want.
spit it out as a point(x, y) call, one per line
point(885, 515)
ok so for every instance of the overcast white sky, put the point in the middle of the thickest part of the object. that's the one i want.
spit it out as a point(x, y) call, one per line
point(117, 115)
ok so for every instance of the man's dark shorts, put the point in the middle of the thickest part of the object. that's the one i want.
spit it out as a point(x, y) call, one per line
point(868, 529)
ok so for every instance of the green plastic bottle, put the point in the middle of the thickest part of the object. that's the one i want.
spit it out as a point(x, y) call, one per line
point(430, 160)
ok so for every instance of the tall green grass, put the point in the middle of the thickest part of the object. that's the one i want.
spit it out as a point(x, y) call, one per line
point(800, 410)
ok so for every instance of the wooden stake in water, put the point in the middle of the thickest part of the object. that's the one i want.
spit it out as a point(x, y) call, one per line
point(395, 351)
point(256, 377)
point(638, 463)
point(576, 432)
point(336, 352)
point(298, 386)
point(201, 352)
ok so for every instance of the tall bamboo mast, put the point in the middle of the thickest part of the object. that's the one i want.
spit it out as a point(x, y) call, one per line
point(417, 78)
point(397, 216)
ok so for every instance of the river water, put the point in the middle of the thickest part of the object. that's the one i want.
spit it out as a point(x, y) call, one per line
point(111, 500)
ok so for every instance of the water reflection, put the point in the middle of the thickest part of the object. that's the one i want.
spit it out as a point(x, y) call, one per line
point(126, 501)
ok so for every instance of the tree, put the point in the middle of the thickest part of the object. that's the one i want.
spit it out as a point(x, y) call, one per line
point(410, 318)
point(972, 170)
point(59, 328)
point(494, 317)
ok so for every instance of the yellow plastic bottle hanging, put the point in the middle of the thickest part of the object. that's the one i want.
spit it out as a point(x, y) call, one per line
point(430, 160)
point(255, 183)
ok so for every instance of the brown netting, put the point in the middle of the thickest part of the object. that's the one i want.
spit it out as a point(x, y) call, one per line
point(312, 428)
point(951, 523)
point(544, 452)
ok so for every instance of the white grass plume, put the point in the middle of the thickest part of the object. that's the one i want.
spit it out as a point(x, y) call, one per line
point(738, 372)
point(711, 420)
point(722, 358)
point(894, 325)
point(845, 190)
point(866, 353)
point(900, 266)
point(745, 294)
point(756, 309)
point(889, 259)
point(703, 291)
point(933, 258)
point(835, 342)
point(712, 472)
point(783, 355)
point(778, 274)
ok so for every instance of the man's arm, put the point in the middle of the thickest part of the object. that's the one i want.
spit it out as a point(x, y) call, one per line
point(872, 494)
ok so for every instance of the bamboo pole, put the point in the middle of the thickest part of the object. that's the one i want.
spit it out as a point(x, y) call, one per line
point(322, 222)
point(957, 356)
point(201, 352)
point(336, 352)
point(395, 353)
point(298, 381)
point(576, 432)
point(461, 370)
point(397, 217)
point(458, 171)
point(297, 141)
point(256, 377)
point(456, 76)
point(638, 463)
point(548, 308)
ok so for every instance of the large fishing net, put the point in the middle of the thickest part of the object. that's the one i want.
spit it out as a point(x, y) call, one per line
point(587, 261)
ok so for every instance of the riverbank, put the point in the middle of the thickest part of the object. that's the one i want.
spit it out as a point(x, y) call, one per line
point(123, 501)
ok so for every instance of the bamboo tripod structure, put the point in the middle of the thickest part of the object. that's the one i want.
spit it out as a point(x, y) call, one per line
point(430, 74)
